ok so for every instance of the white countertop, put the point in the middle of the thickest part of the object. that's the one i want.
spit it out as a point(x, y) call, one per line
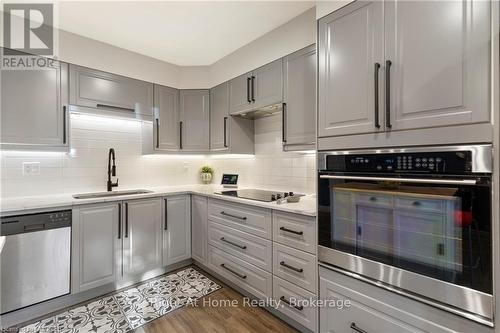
point(306, 205)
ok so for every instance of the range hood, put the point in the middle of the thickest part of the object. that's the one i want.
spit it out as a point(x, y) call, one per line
point(110, 112)
point(259, 113)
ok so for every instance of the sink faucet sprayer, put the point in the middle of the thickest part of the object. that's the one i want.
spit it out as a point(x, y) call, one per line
point(111, 170)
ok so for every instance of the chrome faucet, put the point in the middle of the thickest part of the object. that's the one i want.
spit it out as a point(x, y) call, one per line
point(111, 170)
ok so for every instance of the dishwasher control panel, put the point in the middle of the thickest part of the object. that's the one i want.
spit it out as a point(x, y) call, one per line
point(19, 224)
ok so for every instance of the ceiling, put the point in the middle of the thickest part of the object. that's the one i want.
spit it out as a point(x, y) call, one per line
point(181, 32)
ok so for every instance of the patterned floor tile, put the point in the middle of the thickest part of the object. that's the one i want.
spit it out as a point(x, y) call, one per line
point(130, 308)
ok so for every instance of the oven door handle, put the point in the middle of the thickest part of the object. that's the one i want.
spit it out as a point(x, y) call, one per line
point(406, 180)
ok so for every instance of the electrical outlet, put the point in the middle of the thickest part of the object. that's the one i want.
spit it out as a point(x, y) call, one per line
point(31, 168)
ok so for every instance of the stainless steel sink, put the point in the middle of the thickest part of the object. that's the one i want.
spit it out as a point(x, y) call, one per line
point(108, 194)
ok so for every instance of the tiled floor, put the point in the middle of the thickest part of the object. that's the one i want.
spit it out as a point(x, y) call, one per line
point(130, 308)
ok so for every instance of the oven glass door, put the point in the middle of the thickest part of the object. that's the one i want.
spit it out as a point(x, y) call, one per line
point(441, 231)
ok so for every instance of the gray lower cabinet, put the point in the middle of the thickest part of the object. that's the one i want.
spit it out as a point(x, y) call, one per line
point(96, 246)
point(166, 118)
point(176, 229)
point(398, 65)
point(141, 235)
point(350, 53)
point(228, 134)
point(34, 108)
point(257, 89)
point(194, 120)
point(299, 99)
point(110, 92)
point(199, 239)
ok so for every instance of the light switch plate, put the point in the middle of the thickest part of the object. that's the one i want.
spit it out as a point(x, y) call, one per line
point(31, 168)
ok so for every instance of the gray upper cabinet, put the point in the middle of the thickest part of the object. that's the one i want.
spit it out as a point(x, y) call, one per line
point(194, 120)
point(440, 63)
point(141, 234)
point(176, 229)
point(219, 117)
point(96, 246)
point(350, 55)
point(240, 94)
point(106, 91)
point(34, 108)
point(399, 65)
point(299, 99)
point(166, 118)
point(228, 134)
point(257, 89)
point(267, 85)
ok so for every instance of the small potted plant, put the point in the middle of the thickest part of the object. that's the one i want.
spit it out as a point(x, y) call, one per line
point(206, 174)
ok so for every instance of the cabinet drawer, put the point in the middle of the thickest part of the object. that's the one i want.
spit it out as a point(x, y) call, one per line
point(295, 266)
point(295, 230)
point(256, 221)
point(375, 199)
point(420, 204)
point(288, 292)
point(252, 249)
point(247, 276)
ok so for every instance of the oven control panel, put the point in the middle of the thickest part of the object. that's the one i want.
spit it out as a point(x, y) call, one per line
point(431, 162)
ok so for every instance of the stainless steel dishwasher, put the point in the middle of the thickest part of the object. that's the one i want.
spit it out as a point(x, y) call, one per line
point(35, 260)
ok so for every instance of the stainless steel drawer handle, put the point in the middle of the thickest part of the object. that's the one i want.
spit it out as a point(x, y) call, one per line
point(234, 272)
point(234, 216)
point(287, 302)
point(300, 270)
point(243, 247)
point(404, 180)
point(292, 231)
point(356, 328)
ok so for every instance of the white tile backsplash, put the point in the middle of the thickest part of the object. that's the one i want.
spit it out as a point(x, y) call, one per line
point(85, 167)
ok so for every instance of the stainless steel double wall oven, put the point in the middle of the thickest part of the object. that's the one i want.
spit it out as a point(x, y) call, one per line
point(417, 221)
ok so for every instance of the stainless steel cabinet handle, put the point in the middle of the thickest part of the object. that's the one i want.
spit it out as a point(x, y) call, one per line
point(283, 124)
point(234, 216)
point(388, 64)
point(119, 221)
point(292, 231)
point(64, 124)
point(287, 302)
point(242, 276)
point(180, 134)
point(243, 247)
point(356, 328)
point(100, 106)
point(405, 180)
point(248, 90)
point(253, 88)
point(157, 133)
point(377, 121)
point(299, 270)
point(126, 220)
point(166, 215)
point(225, 132)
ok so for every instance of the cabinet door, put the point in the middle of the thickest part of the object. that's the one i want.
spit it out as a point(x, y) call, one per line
point(34, 107)
point(166, 126)
point(96, 245)
point(141, 235)
point(199, 211)
point(440, 64)
point(239, 94)
point(96, 89)
point(176, 229)
point(219, 117)
point(350, 47)
point(267, 85)
point(299, 97)
point(194, 125)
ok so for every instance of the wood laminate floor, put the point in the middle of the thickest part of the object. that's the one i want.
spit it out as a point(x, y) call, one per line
point(200, 318)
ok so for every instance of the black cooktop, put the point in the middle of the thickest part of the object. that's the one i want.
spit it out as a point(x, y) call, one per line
point(259, 195)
